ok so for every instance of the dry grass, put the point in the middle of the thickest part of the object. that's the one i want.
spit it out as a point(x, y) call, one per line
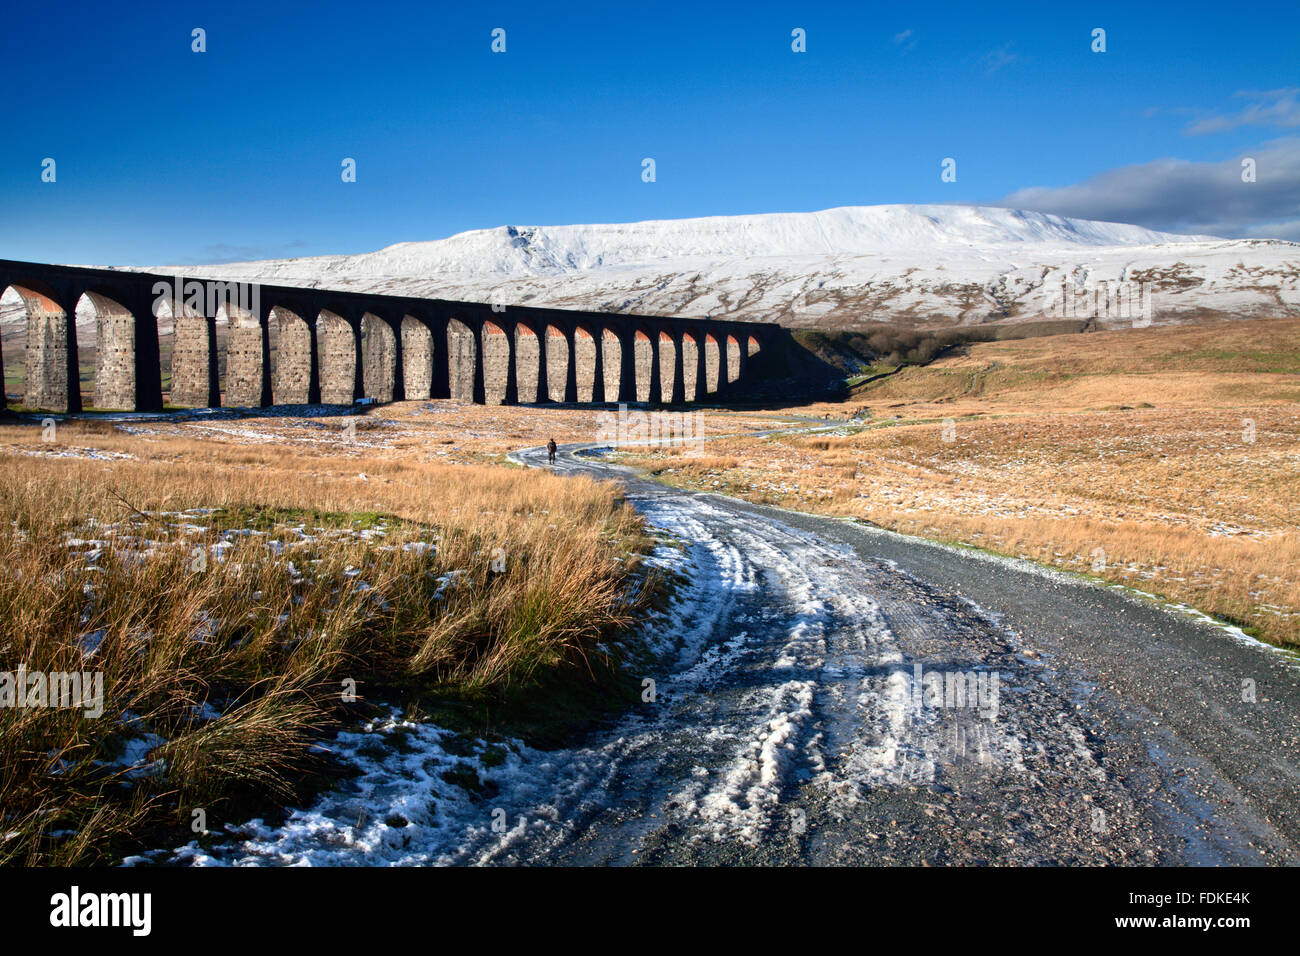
point(441, 432)
point(1129, 452)
point(315, 568)
point(1165, 459)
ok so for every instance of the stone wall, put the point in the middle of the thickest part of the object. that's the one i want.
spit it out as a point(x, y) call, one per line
point(667, 354)
point(417, 359)
point(712, 365)
point(461, 355)
point(584, 347)
point(611, 356)
point(690, 366)
point(47, 361)
point(338, 359)
point(644, 353)
point(379, 358)
point(557, 363)
point(115, 357)
point(527, 362)
point(194, 356)
point(496, 359)
point(245, 353)
point(292, 383)
point(733, 359)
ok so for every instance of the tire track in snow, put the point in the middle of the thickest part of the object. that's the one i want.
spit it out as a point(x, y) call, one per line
point(791, 725)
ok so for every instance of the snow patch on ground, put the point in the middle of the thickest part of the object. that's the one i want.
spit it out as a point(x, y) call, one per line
point(418, 797)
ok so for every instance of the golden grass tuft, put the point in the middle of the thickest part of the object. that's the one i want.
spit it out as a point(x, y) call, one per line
point(528, 573)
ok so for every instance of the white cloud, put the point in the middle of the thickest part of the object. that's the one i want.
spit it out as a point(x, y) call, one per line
point(1182, 196)
point(905, 40)
point(995, 60)
point(1280, 108)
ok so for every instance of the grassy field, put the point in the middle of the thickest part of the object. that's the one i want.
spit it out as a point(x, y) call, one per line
point(235, 590)
point(245, 584)
point(1164, 459)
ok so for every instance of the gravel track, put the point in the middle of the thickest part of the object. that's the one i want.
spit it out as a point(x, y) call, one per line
point(794, 722)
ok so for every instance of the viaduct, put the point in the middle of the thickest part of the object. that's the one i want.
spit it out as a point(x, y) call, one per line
point(283, 345)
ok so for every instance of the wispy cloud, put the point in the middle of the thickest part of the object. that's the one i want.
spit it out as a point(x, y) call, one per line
point(1182, 196)
point(1278, 108)
point(905, 40)
point(995, 60)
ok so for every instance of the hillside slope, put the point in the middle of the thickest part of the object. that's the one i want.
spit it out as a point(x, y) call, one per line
point(912, 265)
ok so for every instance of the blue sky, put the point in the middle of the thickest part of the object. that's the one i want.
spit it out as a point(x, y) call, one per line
point(164, 155)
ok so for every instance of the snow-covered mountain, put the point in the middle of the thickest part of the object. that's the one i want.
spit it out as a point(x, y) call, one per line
point(916, 264)
point(912, 264)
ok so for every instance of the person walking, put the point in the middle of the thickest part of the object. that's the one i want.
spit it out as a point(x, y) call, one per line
point(550, 451)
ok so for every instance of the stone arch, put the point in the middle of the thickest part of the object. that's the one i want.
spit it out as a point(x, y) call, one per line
point(194, 380)
point(337, 351)
point(528, 362)
point(733, 359)
point(115, 351)
point(611, 360)
point(13, 366)
point(712, 364)
point(752, 346)
point(417, 359)
point(643, 356)
point(462, 356)
point(667, 359)
point(13, 316)
point(247, 351)
point(45, 373)
point(584, 360)
point(496, 362)
point(557, 362)
point(378, 358)
point(691, 367)
point(296, 380)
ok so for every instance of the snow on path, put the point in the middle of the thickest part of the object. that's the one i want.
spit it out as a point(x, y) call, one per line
point(776, 651)
point(793, 722)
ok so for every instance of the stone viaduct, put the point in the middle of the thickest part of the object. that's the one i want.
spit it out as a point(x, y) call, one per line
point(250, 344)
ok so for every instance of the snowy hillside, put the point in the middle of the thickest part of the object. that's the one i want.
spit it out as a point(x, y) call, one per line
point(925, 265)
